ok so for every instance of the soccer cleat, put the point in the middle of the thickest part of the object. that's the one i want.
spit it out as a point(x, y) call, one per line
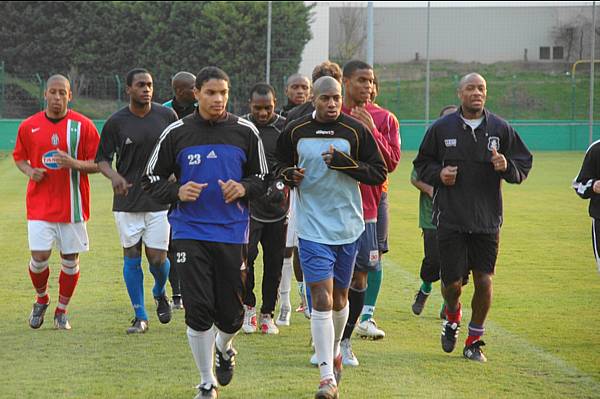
point(138, 326)
point(284, 316)
point(61, 322)
point(267, 326)
point(177, 303)
point(348, 357)
point(249, 324)
point(338, 367)
point(474, 352)
point(419, 304)
point(163, 309)
point(368, 329)
point(224, 367)
point(449, 335)
point(36, 318)
point(207, 391)
point(327, 390)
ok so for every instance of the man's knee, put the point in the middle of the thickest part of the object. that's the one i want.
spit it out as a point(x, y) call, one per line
point(359, 281)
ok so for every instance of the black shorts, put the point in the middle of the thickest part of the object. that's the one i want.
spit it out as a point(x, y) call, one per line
point(213, 281)
point(461, 252)
point(430, 267)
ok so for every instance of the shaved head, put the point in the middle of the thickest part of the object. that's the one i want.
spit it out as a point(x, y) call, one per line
point(297, 77)
point(326, 84)
point(468, 78)
point(58, 78)
point(182, 78)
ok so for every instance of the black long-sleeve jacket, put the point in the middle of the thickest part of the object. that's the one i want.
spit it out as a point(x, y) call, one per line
point(474, 202)
point(588, 175)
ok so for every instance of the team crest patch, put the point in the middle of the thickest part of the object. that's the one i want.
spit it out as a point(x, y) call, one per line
point(450, 142)
point(54, 139)
point(493, 142)
point(49, 160)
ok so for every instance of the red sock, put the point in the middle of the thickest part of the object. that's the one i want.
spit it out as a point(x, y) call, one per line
point(454, 317)
point(67, 284)
point(40, 283)
point(471, 339)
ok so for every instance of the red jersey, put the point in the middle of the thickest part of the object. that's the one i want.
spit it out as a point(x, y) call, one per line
point(63, 195)
point(387, 136)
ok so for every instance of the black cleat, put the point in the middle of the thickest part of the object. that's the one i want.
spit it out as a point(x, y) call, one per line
point(224, 367)
point(163, 309)
point(420, 299)
point(36, 318)
point(207, 391)
point(177, 302)
point(138, 326)
point(473, 352)
point(449, 335)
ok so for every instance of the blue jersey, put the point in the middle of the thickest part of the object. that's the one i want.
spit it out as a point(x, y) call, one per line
point(205, 152)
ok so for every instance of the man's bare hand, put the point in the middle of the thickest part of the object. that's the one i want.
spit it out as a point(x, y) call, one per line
point(499, 161)
point(448, 175)
point(37, 174)
point(232, 190)
point(190, 191)
point(64, 160)
point(364, 116)
point(596, 187)
point(120, 185)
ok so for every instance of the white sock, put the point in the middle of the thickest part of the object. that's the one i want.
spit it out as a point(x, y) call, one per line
point(321, 328)
point(285, 286)
point(340, 318)
point(202, 344)
point(223, 342)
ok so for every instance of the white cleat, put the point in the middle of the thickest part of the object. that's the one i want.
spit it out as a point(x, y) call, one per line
point(369, 329)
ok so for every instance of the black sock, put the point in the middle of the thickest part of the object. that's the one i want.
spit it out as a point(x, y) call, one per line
point(356, 301)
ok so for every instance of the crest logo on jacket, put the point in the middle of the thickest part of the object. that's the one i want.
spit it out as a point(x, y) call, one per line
point(493, 142)
point(450, 142)
point(54, 139)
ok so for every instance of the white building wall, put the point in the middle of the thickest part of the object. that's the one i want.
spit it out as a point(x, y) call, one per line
point(317, 49)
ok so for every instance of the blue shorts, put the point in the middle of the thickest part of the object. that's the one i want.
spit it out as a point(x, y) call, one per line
point(383, 223)
point(321, 262)
point(367, 257)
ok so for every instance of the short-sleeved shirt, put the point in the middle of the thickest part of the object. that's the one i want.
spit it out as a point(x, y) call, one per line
point(132, 139)
point(425, 207)
point(63, 195)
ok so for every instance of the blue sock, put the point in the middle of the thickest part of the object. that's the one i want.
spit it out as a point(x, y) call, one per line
point(134, 281)
point(161, 275)
point(308, 298)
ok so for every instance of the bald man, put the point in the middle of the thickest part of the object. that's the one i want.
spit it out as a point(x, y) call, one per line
point(55, 149)
point(465, 156)
point(297, 91)
point(183, 101)
point(324, 155)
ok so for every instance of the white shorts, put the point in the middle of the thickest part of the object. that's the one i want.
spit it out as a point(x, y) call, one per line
point(71, 238)
point(292, 236)
point(151, 227)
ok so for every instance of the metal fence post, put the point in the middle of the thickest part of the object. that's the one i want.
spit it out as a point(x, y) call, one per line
point(1, 89)
point(41, 93)
point(119, 91)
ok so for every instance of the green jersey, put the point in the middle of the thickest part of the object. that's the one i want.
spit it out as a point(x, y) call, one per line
point(425, 207)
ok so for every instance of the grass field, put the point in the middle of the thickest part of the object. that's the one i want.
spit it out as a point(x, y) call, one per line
point(542, 333)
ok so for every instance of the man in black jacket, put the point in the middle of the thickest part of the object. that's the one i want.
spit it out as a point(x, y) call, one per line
point(465, 156)
point(587, 186)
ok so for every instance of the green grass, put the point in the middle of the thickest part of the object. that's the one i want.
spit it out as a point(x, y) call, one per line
point(542, 331)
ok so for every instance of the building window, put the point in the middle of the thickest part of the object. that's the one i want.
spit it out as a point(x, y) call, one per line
point(544, 53)
point(557, 53)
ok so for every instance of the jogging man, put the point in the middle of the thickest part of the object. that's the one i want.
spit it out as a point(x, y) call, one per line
point(465, 156)
point(183, 103)
point(324, 155)
point(55, 148)
point(268, 219)
point(219, 164)
point(359, 80)
point(297, 91)
point(131, 133)
point(587, 186)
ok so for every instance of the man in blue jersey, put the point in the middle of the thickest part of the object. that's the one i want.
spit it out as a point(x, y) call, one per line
point(219, 165)
point(324, 155)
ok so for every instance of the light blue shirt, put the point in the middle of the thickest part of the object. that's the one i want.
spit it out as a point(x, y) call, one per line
point(329, 207)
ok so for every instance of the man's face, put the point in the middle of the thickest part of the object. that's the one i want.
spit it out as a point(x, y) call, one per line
point(328, 105)
point(141, 89)
point(472, 94)
point(262, 107)
point(58, 94)
point(212, 98)
point(298, 91)
point(360, 85)
point(185, 93)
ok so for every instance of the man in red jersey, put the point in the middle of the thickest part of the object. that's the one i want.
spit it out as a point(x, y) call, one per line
point(358, 78)
point(55, 148)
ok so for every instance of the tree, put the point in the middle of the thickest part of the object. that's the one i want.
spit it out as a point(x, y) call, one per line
point(352, 24)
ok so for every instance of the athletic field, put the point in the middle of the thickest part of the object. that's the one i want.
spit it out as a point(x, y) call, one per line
point(543, 331)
